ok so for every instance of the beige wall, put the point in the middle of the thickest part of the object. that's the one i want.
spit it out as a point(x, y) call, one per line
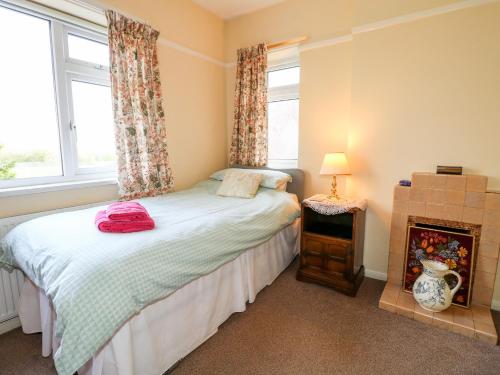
point(317, 19)
point(325, 105)
point(400, 99)
point(368, 11)
point(180, 21)
point(24, 204)
point(194, 102)
point(423, 93)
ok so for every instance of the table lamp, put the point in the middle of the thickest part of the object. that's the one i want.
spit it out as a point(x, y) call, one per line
point(334, 164)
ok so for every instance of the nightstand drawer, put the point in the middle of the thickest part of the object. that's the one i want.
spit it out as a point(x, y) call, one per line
point(313, 244)
point(325, 253)
point(335, 249)
point(321, 261)
point(311, 259)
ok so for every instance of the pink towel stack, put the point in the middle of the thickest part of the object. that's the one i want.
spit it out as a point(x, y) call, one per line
point(124, 217)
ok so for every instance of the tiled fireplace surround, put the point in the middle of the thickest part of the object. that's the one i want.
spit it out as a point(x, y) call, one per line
point(454, 198)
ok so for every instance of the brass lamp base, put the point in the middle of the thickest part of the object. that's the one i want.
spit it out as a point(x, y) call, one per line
point(333, 191)
point(334, 196)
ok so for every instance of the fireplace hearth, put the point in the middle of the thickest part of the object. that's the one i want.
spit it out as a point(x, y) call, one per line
point(455, 204)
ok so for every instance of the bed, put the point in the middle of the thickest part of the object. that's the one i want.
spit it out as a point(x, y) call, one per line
point(105, 308)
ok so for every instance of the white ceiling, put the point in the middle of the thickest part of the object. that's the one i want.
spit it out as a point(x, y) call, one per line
point(233, 8)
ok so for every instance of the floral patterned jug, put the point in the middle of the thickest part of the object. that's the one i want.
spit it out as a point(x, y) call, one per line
point(430, 290)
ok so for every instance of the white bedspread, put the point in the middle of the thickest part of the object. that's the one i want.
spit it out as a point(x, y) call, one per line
point(166, 331)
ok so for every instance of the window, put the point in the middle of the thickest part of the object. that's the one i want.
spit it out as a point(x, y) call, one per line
point(92, 113)
point(88, 50)
point(56, 121)
point(29, 135)
point(283, 116)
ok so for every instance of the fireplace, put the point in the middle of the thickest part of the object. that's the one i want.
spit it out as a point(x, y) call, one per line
point(460, 208)
point(454, 243)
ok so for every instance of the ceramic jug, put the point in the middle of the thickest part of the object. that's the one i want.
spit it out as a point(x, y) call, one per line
point(431, 290)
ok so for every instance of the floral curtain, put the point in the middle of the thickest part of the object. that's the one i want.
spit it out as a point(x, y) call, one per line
point(141, 139)
point(249, 138)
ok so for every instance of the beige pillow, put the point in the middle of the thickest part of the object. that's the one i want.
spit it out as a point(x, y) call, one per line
point(281, 186)
point(239, 184)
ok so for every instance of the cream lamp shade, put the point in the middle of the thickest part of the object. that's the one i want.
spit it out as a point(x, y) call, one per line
point(335, 164)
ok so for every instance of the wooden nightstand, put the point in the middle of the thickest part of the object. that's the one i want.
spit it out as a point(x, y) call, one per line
point(331, 251)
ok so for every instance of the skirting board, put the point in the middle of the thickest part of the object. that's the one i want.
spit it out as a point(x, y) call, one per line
point(9, 325)
point(375, 275)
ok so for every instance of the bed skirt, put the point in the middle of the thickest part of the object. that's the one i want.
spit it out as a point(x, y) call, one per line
point(166, 331)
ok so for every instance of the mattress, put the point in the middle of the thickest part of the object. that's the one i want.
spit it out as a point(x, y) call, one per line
point(164, 332)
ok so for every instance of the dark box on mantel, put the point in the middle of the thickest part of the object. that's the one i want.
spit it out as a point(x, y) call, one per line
point(446, 169)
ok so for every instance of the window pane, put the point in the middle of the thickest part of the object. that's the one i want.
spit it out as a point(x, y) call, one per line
point(283, 133)
point(29, 133)
point(88, 50)
point(284, 77)
point(93, 119)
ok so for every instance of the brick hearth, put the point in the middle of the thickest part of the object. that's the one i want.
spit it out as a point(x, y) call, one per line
point(454, 198)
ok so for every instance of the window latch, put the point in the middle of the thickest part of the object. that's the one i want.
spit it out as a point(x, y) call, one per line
point(72, 125)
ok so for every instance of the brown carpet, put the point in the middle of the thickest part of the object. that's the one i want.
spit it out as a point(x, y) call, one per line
point(299, 328)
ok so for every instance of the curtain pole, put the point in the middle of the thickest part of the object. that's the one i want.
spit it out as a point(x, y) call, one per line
point(287, 42)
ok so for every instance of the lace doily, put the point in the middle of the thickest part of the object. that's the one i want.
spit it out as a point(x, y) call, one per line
point(326, 206)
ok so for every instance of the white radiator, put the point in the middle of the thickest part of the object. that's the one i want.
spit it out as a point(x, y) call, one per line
point(11, 282)
point(10, 286)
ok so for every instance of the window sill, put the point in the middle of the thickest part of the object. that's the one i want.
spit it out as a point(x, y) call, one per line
point(36, 189)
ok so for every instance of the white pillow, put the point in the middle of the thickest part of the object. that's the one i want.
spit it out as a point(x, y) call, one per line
point(238, 183)
point(270, 179)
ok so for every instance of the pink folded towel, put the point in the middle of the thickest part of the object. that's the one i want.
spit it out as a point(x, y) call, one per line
point(105, 224)
point(127, 211)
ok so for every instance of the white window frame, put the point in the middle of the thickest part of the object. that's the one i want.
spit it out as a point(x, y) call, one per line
point(66, 69)
point(282, 93)
point(86, 34)
point(73, 127)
